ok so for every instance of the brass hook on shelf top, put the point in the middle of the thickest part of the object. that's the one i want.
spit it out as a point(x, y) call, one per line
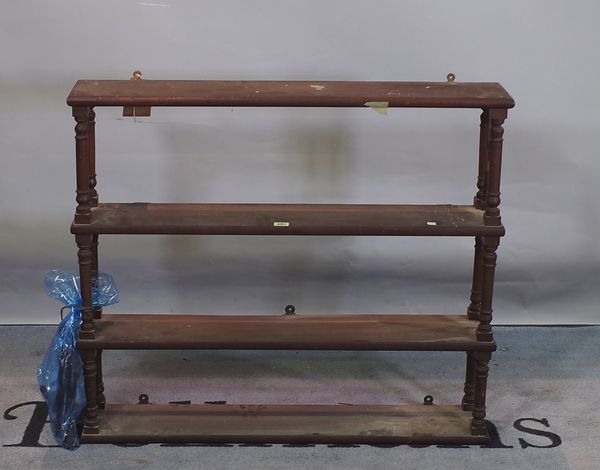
point(136, 111)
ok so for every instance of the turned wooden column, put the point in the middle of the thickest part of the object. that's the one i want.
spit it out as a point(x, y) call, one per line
point(474, 313)
point(92, 156)
point(101, 399)
point(89, 356)
point(484, 329)
point(93, 194)
point(484, 136)
point(84, 256)
point(83, 215)
point(491, 217)
point(97, 313)
point(478, 426)
point(90, 423)
point(492, 185)
point(469, 390)
point(479, 201)
point(97, 310)
point(82, 164)
point(474, 309)
point(84, 198)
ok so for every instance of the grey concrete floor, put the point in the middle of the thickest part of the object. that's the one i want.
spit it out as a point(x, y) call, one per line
point(543, 399)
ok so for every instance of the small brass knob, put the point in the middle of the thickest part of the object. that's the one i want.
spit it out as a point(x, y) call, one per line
point(450, 77)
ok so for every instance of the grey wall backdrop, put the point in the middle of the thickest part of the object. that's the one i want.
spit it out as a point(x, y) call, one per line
point(543, 52)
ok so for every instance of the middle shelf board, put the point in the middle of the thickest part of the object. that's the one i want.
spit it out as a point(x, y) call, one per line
point(393, 332)
point(287, 219)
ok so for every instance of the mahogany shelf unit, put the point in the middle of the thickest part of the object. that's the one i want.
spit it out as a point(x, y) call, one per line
point(470, 332)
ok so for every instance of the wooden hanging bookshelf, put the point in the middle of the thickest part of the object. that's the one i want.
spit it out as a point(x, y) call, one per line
point(470, 332)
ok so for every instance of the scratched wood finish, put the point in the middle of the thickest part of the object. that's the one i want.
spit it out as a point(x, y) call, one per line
point(288, 219)
point(287, 93)
point(317, 332)
point(285, 424)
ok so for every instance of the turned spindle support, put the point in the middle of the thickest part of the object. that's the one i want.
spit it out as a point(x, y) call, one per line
point(96, 314)
point(83, 116)
point(494, 151)
point(92, 157)
point(100, 398)
point(484, 137)
point(85, 255)
point(469, 389)
point(96, 309)
point(474, 308)
point(478, 426)
point(84, 150)
point(474, 313)
point(484, 329)
point(82, 161)
point(85, 258)
point(484, 264)
point(90, 422)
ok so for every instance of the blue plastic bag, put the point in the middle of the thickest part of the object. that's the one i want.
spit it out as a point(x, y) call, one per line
point(60, 375)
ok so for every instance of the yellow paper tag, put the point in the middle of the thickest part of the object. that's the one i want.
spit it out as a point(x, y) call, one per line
point(380, 107)
point(281, 224)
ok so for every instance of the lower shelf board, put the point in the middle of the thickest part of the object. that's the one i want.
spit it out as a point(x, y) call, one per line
point(273, 332)
point(285, 424)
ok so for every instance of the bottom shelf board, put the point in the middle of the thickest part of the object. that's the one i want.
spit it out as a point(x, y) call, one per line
point(284, 424)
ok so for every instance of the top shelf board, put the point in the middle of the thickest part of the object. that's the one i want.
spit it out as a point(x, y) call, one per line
point(288, 93)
